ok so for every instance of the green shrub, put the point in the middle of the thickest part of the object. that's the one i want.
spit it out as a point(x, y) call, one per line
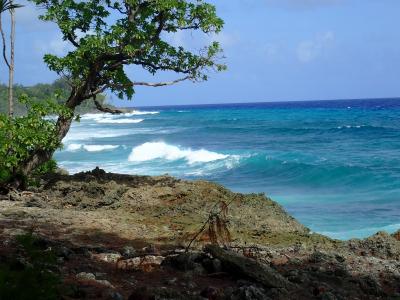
point(21, 136)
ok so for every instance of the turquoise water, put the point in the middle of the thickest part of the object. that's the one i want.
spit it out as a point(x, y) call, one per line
point(334, 165)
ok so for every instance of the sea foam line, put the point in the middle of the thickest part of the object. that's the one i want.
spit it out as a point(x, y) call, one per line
point(119, 121)
point(91, 148)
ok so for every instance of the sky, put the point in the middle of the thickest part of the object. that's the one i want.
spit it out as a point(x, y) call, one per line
point(276, 50)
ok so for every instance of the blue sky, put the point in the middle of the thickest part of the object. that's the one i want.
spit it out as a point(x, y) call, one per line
point(276, 50)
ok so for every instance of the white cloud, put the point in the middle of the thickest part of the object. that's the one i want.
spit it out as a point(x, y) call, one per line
point(225, 39)
point(55, 45)
point(309, 50)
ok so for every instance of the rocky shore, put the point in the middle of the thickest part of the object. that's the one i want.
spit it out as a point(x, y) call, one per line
point(136, 237)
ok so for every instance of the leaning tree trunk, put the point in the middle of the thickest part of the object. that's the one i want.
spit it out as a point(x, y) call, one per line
point(11, 66)
point(63, 125)
point(39, 157)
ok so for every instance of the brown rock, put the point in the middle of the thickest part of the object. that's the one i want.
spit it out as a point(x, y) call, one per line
point(279, 261)
point(146, 263)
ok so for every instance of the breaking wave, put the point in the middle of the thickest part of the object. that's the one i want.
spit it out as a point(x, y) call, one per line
point(160, 150)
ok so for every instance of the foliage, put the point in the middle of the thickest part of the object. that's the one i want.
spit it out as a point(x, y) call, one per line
point(109, 34)
point(8, 5)
point(28, 274)
point(42, 91)
point(33, 132)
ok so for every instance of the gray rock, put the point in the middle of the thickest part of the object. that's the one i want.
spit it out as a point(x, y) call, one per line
point(250, 293)
point(113, 295)
point(128, 252)
point(248, 268)
point(217, 265)
point(86, 276)
point(185, 261)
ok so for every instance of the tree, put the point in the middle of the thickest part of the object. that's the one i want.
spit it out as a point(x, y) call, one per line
point(108, 35)
point(8, 5)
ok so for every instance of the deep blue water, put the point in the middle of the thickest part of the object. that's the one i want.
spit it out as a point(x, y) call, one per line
point(334, 165)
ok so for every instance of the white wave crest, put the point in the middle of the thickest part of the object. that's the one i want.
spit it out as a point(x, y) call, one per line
point(91, 148)
point(101, 117)
point(139, 113)
point(160, 150)
point(74, 147)
point(99, 148)
point(119, 121)
point(350, 126)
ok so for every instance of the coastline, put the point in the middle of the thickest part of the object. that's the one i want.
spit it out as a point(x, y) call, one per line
point(107, 212)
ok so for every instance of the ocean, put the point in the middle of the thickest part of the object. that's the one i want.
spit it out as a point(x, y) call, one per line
point(334, 165)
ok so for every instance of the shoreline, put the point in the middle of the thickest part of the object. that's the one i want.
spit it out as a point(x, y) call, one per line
point(372, 230)
point(127, 234)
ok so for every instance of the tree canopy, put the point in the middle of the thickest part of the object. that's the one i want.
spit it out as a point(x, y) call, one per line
point(108, 35)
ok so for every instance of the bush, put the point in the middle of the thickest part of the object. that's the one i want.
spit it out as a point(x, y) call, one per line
point(20, 137)
point(29, 274)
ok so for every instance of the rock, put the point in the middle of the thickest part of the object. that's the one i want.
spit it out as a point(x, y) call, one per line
point(86, 276)
point(248, 268)
point(107, 257)
point(209, 293)
point(381, 245)
point(105, 283)
point(128, 252)
point(64, 252)
point(172, 281)
point(279, 261)
point(185, 261)
point(319, 257)
point(113, 295)
point(396, 235)
point(92, 277)
point(217, 265)
point(250, 293)
point(371, 286)
point(146, 263)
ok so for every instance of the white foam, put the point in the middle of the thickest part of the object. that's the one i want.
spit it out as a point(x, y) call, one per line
point(119, 121)
point(74, 147)
point(140, 112)
point(99, 148)
point(350, 126)
point(90, 148)
point(79, 134)
point(161, 150)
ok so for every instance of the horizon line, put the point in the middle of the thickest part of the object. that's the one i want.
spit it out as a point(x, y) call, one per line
point(269, 102)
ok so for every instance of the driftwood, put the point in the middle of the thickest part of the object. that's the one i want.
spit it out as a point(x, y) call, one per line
point(241, 266)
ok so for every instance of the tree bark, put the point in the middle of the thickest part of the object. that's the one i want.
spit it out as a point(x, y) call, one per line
point(11, 66)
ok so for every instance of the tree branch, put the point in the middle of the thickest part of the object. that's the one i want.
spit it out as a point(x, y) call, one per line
point(106, 109)
point(72, 40)
point(158, 84)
